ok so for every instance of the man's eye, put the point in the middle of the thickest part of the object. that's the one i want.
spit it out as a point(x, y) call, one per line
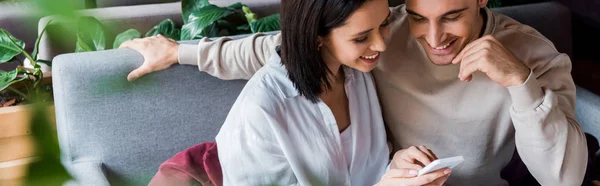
point(418, 19)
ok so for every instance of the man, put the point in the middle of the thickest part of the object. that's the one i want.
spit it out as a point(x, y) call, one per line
point(457, 77)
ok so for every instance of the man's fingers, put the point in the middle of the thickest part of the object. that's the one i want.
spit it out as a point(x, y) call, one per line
point(470, 64)
point(401, 173)
point(429, 177)
point(459, 58)
point(139, 72)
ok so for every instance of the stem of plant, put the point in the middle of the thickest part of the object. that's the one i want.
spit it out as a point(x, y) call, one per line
point(31, 60)
point(18, 92)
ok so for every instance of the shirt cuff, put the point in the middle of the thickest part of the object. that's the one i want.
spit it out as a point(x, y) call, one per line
point(188, 54)
point(528, 95)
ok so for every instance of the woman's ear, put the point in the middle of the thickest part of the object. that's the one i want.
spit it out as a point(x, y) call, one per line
point(319, 42)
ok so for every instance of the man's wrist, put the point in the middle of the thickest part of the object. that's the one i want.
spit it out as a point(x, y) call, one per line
point(187, 54)
point(174, 51)
point(520, 77)
point(528, 95)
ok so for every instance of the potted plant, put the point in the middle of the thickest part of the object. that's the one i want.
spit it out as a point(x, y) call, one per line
point(19, 88)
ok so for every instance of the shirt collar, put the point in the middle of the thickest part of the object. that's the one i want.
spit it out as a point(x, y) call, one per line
point(490, 24)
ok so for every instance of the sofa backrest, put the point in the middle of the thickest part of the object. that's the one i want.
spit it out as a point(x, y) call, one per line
point(114, 132)
point(551, 19)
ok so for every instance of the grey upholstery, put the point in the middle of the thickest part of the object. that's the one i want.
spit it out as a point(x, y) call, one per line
point(115, 132)
point(552, 19)
point(108, 126)
point(588, 111)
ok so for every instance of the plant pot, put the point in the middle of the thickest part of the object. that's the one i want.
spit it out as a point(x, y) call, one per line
point(17, 149)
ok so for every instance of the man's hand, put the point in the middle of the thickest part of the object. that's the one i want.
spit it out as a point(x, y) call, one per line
point(489, 56)
point(159, 53)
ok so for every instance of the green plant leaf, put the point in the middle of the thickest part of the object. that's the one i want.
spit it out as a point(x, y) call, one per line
point(202, 23)
point(127, 35)
point(167, 28)
point(9, 46)
point(266, 24)
point(64, 8)
point(9, 78)
point(250, 16)
point(189, 6)
point(90, 35)
point(244, 28)
point(37, 41)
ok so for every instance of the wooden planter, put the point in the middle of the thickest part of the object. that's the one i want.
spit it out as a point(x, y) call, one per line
point(17, 150)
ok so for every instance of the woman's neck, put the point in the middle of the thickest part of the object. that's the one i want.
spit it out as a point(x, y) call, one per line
point(336, 72)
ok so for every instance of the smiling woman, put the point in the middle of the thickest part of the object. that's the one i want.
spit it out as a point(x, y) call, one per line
point(310, 116)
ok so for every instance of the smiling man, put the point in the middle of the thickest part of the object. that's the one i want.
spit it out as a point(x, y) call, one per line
point(456, 77)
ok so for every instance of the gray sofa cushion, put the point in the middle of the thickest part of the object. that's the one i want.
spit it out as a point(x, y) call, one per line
point(127, 129)
point(588, 111)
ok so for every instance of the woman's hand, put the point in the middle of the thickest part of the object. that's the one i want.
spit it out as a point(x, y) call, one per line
point(405, 165)
point(408, 177)
point(159, 53)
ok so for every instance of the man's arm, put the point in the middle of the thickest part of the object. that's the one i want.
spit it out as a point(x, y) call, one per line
point(548, 137)
point(227, 59)
point(223, 58)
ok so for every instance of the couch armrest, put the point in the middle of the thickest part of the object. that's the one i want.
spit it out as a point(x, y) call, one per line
point(118, 19)
point(588, 111)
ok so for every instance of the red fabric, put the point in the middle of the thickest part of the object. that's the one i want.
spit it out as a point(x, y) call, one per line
point(197, 165)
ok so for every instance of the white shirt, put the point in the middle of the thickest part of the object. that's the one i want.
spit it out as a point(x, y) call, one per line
point(272, 135)
point(346, 137)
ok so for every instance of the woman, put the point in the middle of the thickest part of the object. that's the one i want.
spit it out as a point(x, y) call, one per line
point(311, 115)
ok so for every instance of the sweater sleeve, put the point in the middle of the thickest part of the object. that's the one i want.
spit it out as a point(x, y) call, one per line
point(548, 137)
point(228, 59)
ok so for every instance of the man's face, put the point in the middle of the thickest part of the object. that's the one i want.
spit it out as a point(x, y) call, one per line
point(444, 27)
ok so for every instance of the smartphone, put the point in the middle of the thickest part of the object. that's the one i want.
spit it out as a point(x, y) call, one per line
point(440, 164)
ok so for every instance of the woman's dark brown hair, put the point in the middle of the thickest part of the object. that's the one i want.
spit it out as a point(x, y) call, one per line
point(302, 21)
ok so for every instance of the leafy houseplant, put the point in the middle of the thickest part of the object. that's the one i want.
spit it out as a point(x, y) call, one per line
point(200, 18)
point(30, 79)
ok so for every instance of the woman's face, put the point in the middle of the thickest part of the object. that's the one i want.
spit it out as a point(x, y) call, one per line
point(359, 41)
